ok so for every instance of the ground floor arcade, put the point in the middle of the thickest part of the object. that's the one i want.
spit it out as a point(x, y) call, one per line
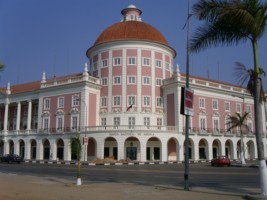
point(128, 146)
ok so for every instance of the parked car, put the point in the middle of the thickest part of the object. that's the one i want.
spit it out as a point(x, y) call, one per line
point(221, 161)
point(10, 158)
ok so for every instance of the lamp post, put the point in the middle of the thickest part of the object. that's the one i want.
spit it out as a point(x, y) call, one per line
point(85, 129)
point(186, 170)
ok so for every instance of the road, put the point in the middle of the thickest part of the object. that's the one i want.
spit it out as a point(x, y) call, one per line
point(238, 180)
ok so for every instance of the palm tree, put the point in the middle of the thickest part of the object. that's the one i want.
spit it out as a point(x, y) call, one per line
point(238, 121)
point(76, 148)
point(229, 22)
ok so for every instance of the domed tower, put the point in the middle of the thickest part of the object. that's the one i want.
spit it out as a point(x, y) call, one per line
point(131, 58)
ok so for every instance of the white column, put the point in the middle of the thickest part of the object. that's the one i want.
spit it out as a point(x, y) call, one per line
point(67, 150)
point(39, 150)
point(6, 117)
point(164, 151)
point(29, 115)
point(143, 150)
point(121, 149)
point(27, 150)
point(196, 151)
point(18, 116)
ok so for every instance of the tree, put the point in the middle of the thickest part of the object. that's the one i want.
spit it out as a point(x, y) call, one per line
point(228, 22)
point(238, 121)
point(76, 148)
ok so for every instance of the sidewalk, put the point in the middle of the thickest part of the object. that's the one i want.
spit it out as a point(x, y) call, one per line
point(17, 187)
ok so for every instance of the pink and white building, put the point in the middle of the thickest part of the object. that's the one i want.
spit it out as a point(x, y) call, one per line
point(127, 104)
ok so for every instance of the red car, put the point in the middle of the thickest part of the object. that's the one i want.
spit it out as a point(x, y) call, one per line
point(220, 161)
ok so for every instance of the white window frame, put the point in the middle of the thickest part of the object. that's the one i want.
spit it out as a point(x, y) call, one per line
point(104, 81)
point(60, 122)
point(147, 122)
point(46, 123)
point(60, 102)
point(104, 102)
point(159, 82)
point(158, 63)
point(116, 80)
point(146, 101)
point(167, 65)
point(131, 122)
point(159, 102)
point(75, 100)
point(203, 123)
point(227, 105)
point(131, 100)
point(146, 80)
point(238, 108)
point(159, 122)
point(116, 122)
point(146, 61)
point(47, 102)
point(202, 102)
point(74, 123)
point(132, 80)
point(116, 100)
point(103, 121)
point(248, 108)
point(117, 61)
point(215, 104)
point(216, 124)
point(104, 63)
point(131, 60)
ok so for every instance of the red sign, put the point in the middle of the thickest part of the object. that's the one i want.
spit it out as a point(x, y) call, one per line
point(188, 101)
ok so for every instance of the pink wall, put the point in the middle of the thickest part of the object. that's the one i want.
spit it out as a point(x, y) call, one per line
point(170, 110)
point(146, 53)
point(92, 109)
point(104, 55)
point(117, 53)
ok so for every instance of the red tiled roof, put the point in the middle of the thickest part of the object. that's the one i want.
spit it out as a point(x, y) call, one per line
point(131, 30)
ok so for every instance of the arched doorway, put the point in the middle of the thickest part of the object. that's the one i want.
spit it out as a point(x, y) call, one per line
point(153, 149)
point(46, 146)
point(33, 149)
point(91, 149)
point(132, 148)
point(11, 147)
point(111, 148)
point(203, 150)
point(191, 149)
point(250, 150)
point(229, 149)
point(21, 148)
point(216, 148)
point(60, 149)
point(173, 150)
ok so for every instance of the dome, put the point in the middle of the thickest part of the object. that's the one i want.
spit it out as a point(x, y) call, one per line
point(131, 30)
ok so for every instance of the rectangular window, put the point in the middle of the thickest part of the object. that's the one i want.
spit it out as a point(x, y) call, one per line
point(215, 124)
point(59, 123)
point(103, 101)
point(60, 102)
point(74, 122)
point(201, 103)
point(159, 102)
point(146, 80)
point(46, 103)
point(104, 63)
point(146, 61)
point(95, 65)
point(250, 127)
point(147, 122)
point(202, 124)
point(215, 104)
point(158, 63)
point(46, 123)
point(103, 121)
point(131, 79)
point(131, 100)
point(159, 82)
point(227, 106)
point(238, 108)
point(116, 101)
point(131, 61)
point(146, 101)
point(131, 122)
point(25, 111)
point(75, 100)
point(104, 81)
point(116, 80)
point(159, 123)
point(167, 66)
point(116, 61)
point(248, 110)
point(116, 122)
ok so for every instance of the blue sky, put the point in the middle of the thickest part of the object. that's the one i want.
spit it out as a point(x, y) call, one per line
point(52, 36)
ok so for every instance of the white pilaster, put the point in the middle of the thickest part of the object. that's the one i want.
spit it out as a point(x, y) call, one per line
point(29, 119)
point(18, 116)
point(6, 116)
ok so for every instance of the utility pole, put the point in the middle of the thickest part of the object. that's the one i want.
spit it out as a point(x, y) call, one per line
point(186, 162)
